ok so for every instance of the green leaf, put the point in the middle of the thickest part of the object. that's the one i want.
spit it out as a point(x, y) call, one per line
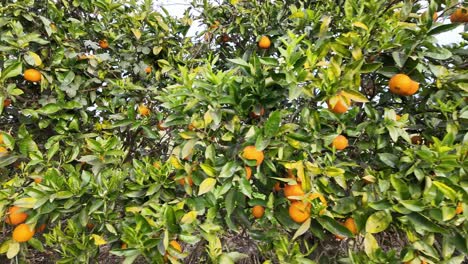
point(13, 70)
point(442, 28)
point(206, 186)
point(345, 205)
point(240, 62)
point(49, 109)
point(389, 159)
point(400, 58)
point(33, 59)
point(424, 223)
point(302, 229)
point(371, 67)
point(171, 221)
point(415, 206)
point(272, 125)
point(378, 222)
point(333, 171)
point(334, 227)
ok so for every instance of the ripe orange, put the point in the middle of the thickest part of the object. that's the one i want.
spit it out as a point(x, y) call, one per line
point(40, 228)
point(258, 211)
point(6, 102)
point(401, 84)
point(264, 42)
point(14, 216)
point(189, 180)
point(255, 115)
point(32, 75)
point(104, 44)
point(341, 106)
point(143, 110)
point(22, 233)
point(38, 180)
point(277, 187)
point(160, 126)
point(414, 87)
point(293, 190)
point(322, 199)
point(148, 69)
point(248, 172)
point(351, 225)
point(251, 153)
point(340, 142)
point(3, 151)
point(459, 209)
point(299, 211)
point(176, 245)
point(460, 15)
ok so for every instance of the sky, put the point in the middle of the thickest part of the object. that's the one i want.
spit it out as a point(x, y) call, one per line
point(177, 7)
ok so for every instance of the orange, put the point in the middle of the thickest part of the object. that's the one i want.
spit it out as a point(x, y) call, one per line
point(414, 87)
point(340, 142)
point(38, 180)
point(401, 84)
point(264, 42)
point(351, 225)
point(459, 208)
point(417, 140)
point(189, 180)
point(1, 139)
point(342, 104)
point(6, 102)
point(322, 199)
point(104, 44)
point(143, 110)
point(225, 38)
point(3, 151)
point(15, 217)
point(255, 115)
point(248, 172)
point(124, 246)
point(460, 15)
point(160, 125)
point(148, 69)
point(40, 228)
point(258, 211)
point(251, 153)
point(277, 187)
point(32, 75)
point(293, 190)
point(299, 211)
point(176, 245)
point(22, 233)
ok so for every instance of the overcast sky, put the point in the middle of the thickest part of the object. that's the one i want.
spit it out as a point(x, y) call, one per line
point(177, 7)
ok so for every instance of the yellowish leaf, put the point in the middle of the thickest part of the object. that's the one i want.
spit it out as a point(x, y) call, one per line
point(189, 217)
point(27, 202)
point(361, 25)
point(98, 240)
point(354, 96)
point(137, 33)
point(206, 186)
point(13, 250)
point(37, 59)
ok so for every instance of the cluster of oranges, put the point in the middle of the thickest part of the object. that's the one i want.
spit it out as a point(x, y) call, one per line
point(16, 217)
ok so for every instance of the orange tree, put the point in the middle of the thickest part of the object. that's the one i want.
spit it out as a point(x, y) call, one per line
point(285, 132)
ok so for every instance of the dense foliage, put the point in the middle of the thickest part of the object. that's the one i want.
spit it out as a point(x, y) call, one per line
point(133, 138)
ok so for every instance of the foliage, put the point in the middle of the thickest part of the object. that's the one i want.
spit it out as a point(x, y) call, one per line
point(111, 174)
